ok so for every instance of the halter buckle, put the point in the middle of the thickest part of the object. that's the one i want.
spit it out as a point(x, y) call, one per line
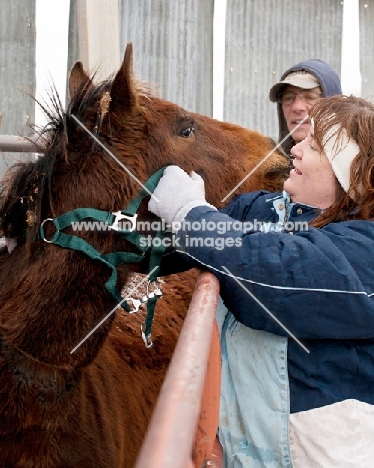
point(119, 216)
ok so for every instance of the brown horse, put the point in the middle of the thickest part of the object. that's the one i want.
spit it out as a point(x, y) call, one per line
point(91, 407)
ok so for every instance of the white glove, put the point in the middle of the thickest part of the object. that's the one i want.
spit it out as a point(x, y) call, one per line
point(177, 193)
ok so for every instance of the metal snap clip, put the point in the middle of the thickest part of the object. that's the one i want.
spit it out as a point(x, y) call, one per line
point(135, 303)
point(146, 338)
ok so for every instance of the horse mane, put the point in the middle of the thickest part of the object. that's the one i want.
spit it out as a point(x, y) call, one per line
point(26, 187)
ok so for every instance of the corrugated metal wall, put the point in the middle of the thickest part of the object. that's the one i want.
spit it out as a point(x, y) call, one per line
point(173, 41)
point(366, 47)
point(263, 39)
point(17, 71)
point(172, 47)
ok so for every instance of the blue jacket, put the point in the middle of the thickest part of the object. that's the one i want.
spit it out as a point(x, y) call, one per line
point(317, 283)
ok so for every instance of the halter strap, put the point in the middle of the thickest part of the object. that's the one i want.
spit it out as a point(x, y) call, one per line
point(112, 260)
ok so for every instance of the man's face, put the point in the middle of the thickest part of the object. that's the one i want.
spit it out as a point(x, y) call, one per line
point(296, 104)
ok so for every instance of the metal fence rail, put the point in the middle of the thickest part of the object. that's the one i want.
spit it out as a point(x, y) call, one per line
point(177, 436)
point(18, 144)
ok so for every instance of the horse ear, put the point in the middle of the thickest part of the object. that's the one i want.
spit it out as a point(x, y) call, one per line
point(78, 79)
point(124, 94)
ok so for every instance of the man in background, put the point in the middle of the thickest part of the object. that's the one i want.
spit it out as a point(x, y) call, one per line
point(296, 92)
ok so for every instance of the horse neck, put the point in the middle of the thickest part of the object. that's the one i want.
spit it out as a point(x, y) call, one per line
point(51, 299)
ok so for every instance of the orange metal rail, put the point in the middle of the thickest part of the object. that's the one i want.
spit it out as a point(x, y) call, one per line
point(183, 427)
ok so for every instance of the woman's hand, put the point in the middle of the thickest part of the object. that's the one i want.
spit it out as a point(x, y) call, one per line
point(176, 194)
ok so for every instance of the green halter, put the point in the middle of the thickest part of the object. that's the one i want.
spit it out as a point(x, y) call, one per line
point(112, 260)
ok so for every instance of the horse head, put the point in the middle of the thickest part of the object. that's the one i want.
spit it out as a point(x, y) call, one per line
point(97, 155)
point(68, 372)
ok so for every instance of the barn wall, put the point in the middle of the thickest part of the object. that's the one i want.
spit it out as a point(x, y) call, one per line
point(366, 48)
point(263, 39)
point(173, 49)
point(17, 71)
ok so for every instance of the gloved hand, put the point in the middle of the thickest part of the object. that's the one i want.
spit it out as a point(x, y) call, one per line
point(177, 193)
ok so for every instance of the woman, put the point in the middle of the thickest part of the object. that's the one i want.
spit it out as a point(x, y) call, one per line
point(297, 278)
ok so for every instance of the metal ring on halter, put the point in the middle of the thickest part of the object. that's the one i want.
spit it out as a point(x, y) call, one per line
point(42, 230)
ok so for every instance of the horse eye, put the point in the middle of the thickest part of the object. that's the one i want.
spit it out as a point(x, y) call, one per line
point(188, 132)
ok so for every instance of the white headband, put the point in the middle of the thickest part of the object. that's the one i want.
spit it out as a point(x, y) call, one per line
point(340, 152)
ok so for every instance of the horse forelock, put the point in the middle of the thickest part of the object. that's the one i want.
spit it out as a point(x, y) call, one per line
point(26, 188)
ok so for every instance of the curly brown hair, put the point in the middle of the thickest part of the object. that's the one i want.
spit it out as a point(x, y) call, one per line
point(356, 116)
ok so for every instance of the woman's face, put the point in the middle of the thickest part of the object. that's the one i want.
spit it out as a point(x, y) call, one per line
point(312, 180)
